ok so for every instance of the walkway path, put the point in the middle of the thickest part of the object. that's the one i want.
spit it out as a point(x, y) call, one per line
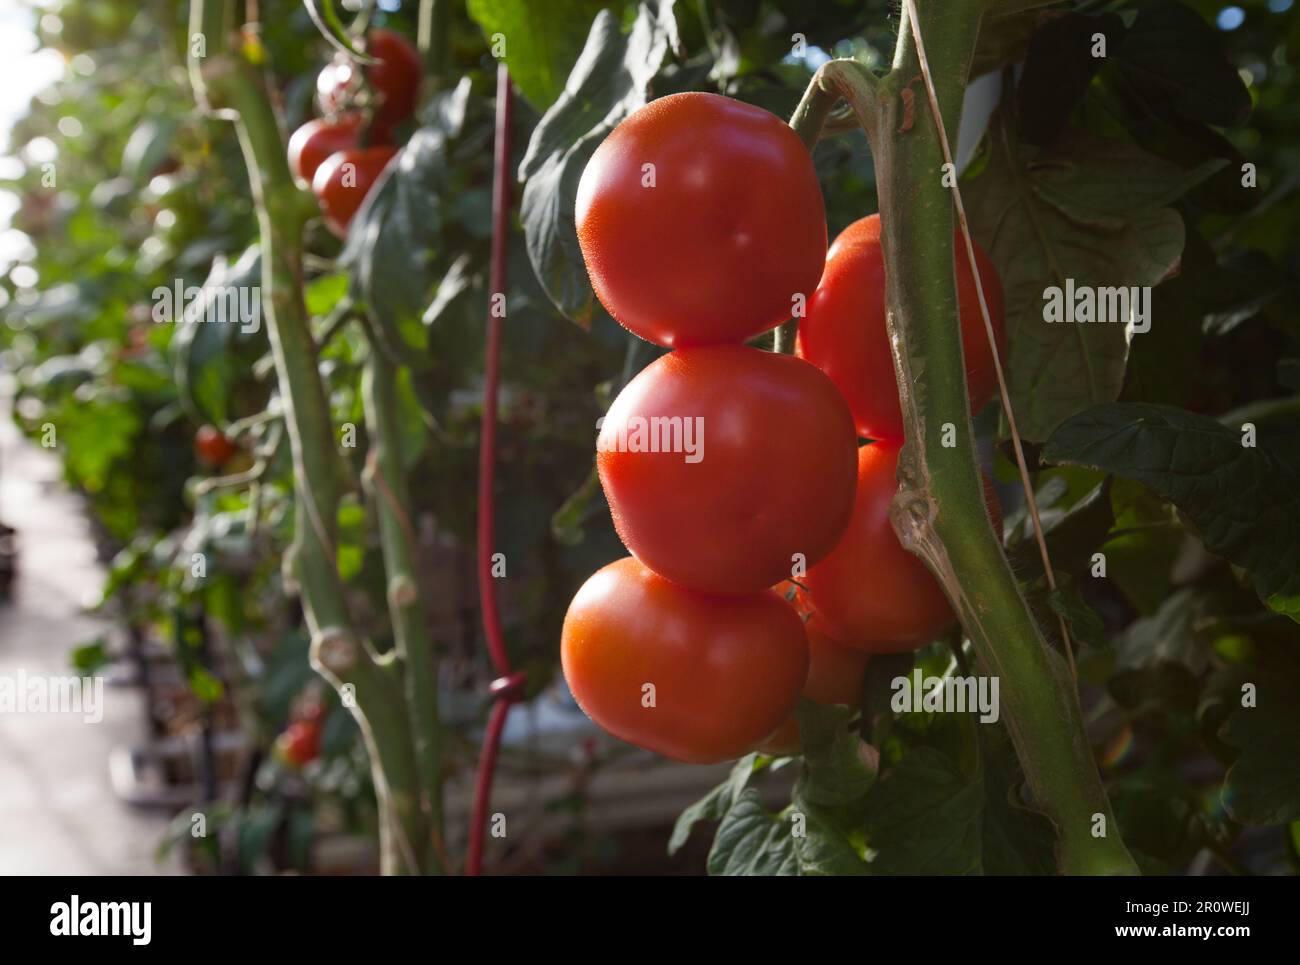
point(58, 813)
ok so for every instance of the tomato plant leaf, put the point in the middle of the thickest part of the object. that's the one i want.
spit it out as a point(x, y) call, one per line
point(1072, 535)
point(923, 817)
point(716, 803)
point(753, 841)
point(609, 81)
point(1059, 65)
point(1017, 839)
point(397, 234)
point(1263, 784)
point(540, 42)
point(824, 843)
point(1174, 59)
point(1085, 625)
point(147, 147)
point(1244, 499)
point(1085, 210)
point(213, 349)
point(836, 772)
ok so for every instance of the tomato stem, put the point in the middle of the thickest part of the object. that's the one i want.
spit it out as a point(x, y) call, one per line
point(939, 511)
point(370, 685)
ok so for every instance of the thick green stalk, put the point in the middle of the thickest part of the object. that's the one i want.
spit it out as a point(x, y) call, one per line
point(385, 477)
point(939, 511)
point(233, 88)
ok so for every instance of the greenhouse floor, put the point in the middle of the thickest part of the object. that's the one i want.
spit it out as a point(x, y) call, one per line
point(58, 812)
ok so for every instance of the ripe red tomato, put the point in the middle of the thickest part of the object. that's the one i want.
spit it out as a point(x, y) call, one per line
point(872, 593)
point(700, 218)
point(844, 332)
point(316, 140)
point(299, 743)
point(212, 447)
point(723, 671)
point(345, 178)
point(394, 79)
point(754, 463)
point(835, 674)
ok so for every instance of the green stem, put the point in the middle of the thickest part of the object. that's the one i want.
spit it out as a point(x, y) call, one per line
point(369, 685)
point(939, 511)
point(385, 478)
point(434, 36)
point(835, 79)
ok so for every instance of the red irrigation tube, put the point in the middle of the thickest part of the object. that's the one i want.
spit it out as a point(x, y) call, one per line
point(509, 686)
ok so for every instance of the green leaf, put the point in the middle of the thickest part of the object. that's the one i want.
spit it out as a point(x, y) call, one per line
point(923, 817)
point(1003, 38)
point(1089, 210)
point(1017, 839)
point(205, 686)
point(323, 293)
point(1245, 500)
point(1143, 544)
point(715, 804)
point(94, 433)
point(825, 844)
point(1058, 67)
point(541, 40)
point(609, 81)
point(1164, 638)
point(1072, 536)
point(90, 657)
point(1263, 784)
point(751, 841)
point(1174, 59)
point(1085, 625)
point(836, 772)
point(458, 280)
point(396, 235)
point(1158, 660)
point(568, 523)
point(213, 349)
point(147, 147)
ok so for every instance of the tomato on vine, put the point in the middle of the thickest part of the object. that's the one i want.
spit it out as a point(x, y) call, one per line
point(299, 743)
point(701, 220)
point(342, 182)
point(316, 140)
point(394, 79)
point(694, 677)
point(722, 463)
point(872, 593)
point(844, 331)
point(213, 447)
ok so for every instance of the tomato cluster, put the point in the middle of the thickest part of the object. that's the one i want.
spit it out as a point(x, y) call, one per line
point(728, 469)
point(701, 223)
point(342, 154)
